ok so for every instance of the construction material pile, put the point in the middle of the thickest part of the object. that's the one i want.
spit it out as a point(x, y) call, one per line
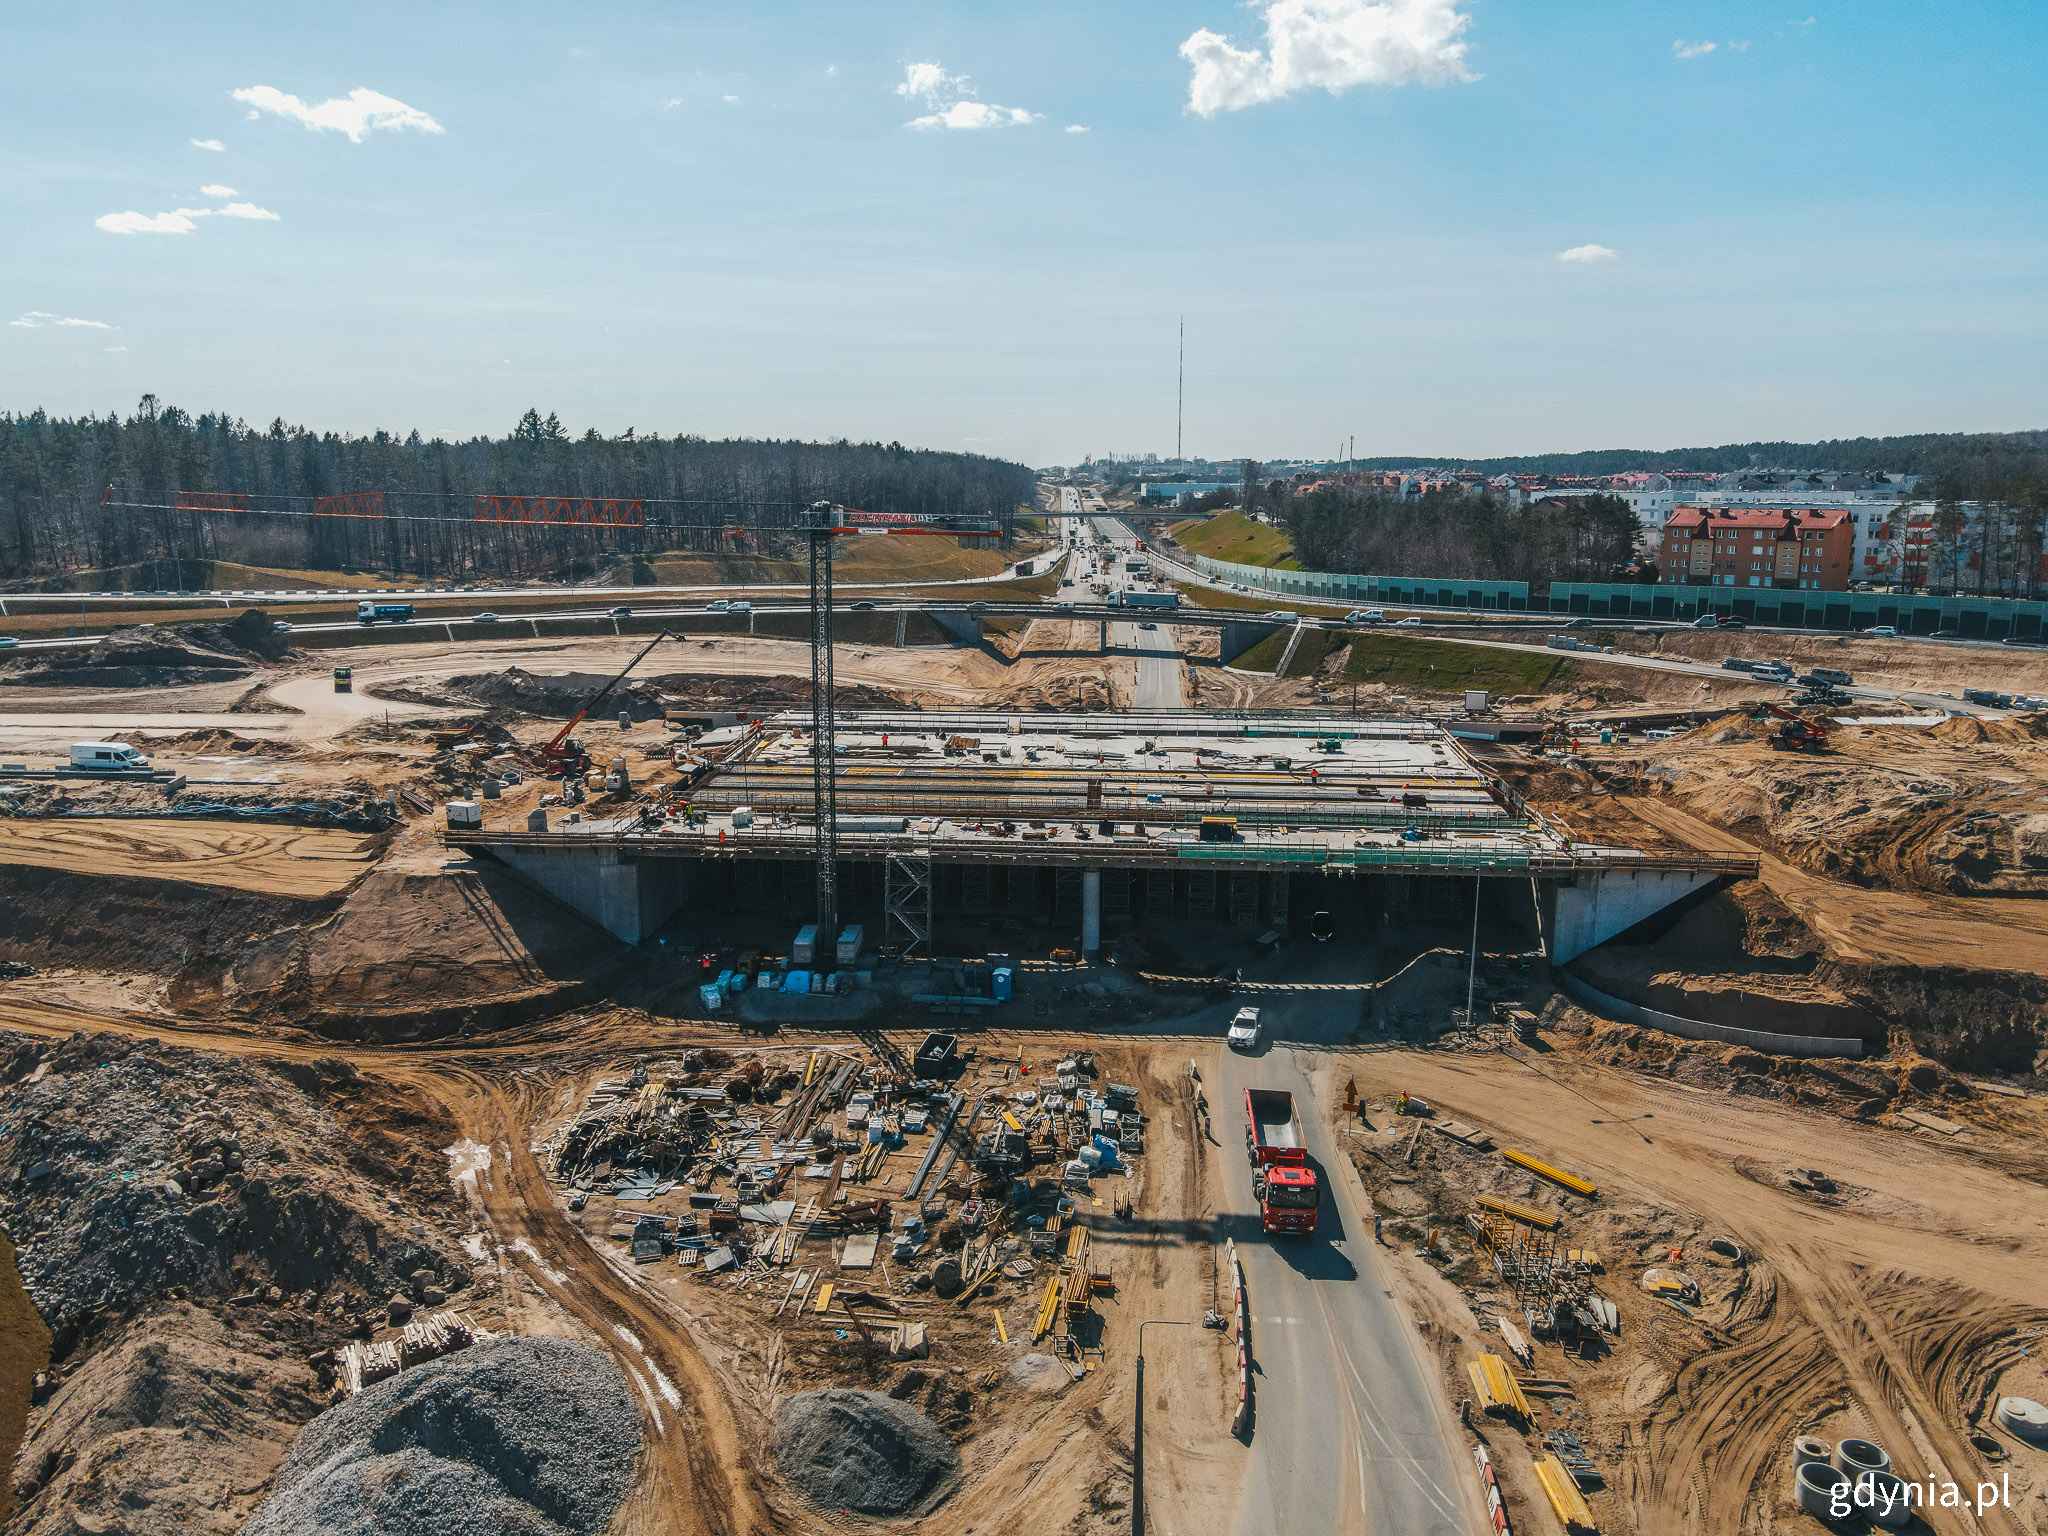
point(534, 1436)
point(861, 1451)
point(133, 1167)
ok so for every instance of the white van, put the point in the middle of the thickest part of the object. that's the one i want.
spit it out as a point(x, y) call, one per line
point(109, 755)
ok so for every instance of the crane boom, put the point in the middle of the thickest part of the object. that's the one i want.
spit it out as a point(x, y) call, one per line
point(563, 752)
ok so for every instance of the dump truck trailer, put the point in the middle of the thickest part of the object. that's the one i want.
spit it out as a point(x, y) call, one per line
point(1281, 1177)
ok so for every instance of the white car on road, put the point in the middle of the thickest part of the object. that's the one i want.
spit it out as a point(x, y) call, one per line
point(1244, 1030)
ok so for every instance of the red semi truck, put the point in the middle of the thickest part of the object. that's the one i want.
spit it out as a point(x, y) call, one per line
point(1281, 1177)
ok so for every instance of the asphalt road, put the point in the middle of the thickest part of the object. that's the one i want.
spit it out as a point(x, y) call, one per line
point(1162, 681)
point(1350, 1429)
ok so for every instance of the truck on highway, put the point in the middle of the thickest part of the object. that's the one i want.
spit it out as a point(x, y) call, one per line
point(1281, 1177)
point(383, 613)
point(1144, 599)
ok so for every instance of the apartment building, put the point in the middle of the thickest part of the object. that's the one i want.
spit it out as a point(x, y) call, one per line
point(1805, 549)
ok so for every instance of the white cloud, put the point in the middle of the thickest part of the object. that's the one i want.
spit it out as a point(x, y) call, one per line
point(116, 349)
point(213, 144)
point(216, 191)
point(36, 319)
point(952, 101)
point(1330, 45)
point(359, 112)
point(1681, 49)
point(975, 114)
point(1076, 128)
point(178, 222)
point(1739, 47)
point(1586, 255)
point(669, 104)
point(730, 99)
point(930, 82)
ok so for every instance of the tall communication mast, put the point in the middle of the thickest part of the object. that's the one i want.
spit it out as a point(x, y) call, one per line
point(1180, 391)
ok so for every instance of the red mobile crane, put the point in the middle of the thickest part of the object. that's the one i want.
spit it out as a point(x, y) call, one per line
point(1797, 734)
point(564, 756)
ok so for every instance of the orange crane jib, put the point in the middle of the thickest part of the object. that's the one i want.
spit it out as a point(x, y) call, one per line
point(351, 504)
point(209, 501)
point(565, 511)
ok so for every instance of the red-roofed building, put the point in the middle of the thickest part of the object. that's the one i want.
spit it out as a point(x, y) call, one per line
point(1802, 549)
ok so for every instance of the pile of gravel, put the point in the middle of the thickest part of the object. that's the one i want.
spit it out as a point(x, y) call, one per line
point(523, 1437)
point(864, 1452)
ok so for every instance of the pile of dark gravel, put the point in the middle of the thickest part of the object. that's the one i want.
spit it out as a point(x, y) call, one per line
point(522, 1437)
point(864, 1452)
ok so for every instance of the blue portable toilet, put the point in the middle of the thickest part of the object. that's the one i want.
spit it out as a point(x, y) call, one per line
point(1000, 984)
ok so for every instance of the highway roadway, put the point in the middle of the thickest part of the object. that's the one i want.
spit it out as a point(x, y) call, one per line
point(1162, 676)
point(26, 602)
point(1352, 1429)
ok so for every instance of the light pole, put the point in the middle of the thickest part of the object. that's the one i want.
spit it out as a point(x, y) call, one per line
point(1138, 1431)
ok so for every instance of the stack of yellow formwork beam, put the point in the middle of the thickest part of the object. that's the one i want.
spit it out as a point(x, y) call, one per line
point(1527, 1214)
point(1564, 1495)
point(1494, 1385)
point(1048, 1308)
point(1541, 1169)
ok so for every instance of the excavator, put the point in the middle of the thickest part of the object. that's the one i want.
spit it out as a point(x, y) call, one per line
point(1796, 734)
point(564, 757)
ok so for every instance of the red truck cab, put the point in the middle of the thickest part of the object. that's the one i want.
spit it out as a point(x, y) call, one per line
point(1285, 1184)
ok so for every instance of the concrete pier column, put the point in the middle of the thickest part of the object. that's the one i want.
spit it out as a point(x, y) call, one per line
point(1091, 912)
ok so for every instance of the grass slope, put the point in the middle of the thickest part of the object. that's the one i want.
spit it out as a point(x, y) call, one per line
point(1235, 537)
point(1444, 666)
point(1315, 645)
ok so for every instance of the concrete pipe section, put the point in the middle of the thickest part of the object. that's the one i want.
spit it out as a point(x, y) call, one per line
point(1857, 1457)
point(1814, 1485)
point(1806, 1451)
point(2025, 1418)
point(1881, 1499)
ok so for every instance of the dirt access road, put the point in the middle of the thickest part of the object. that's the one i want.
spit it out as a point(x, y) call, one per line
point(1882, 927)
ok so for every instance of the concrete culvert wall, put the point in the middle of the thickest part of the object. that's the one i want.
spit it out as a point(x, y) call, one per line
point(531, 1437)
point(1807, 1451)
point(864, 1452)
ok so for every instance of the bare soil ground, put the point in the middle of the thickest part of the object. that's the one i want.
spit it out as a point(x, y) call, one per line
point(478, 1013)
point(1887, 1308)
point(271, 861)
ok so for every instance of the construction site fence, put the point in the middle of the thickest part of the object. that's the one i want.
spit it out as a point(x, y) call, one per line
point(1699, 1029)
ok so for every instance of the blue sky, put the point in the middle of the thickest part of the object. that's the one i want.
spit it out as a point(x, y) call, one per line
point(722, 219)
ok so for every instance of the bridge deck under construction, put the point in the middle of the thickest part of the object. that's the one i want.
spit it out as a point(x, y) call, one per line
point(1334, 795)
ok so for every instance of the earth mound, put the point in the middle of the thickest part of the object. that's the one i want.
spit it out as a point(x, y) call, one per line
point(153, 655)
point(535, 1437)
point(862, 1451)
